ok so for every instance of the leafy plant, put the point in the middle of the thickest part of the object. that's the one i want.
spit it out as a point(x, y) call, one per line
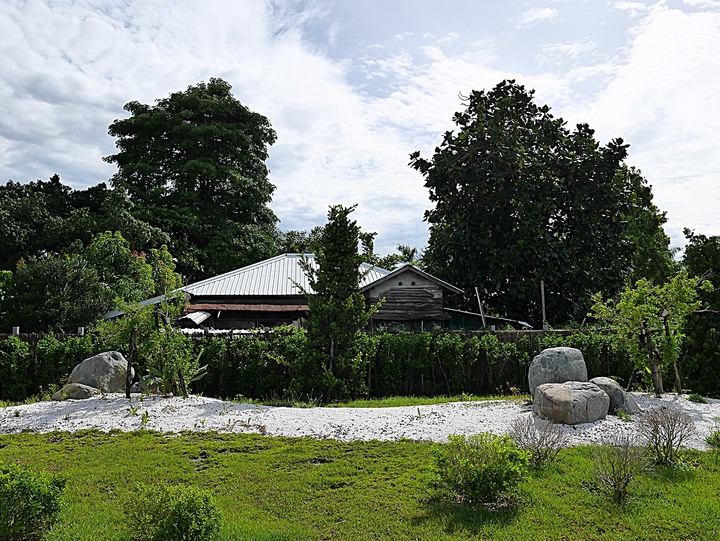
point(173, 513)
point(479, 468)
point(697, 398)
point(617, 462)
point(713, 439)
point(665, 429)
point(541, 437)
point(29, 502)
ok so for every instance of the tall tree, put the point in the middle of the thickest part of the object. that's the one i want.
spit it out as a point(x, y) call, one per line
point(194, 164)
point(702, 354)
point(520, 199)
point(337, 307)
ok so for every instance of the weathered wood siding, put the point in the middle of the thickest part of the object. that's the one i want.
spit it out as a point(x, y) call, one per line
point(404, 303)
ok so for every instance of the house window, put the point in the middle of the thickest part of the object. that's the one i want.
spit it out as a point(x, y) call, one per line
point(399, 283)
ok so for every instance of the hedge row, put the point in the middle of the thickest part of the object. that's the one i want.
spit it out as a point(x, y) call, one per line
point(265, 366)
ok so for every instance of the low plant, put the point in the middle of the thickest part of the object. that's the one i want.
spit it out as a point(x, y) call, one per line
point(618, 460)
point(697, 398)
point(665, 430)
point(173, 513)
point(713, 439)
point(481, 468)
point(29, 502)
point(541, 437)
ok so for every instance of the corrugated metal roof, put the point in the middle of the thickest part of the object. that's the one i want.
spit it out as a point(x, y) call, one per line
point(280, 275)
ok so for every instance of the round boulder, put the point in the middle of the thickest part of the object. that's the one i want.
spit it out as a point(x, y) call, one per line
point(571, 403)
point(104, 371)
point(556, 365)
point(619, 399)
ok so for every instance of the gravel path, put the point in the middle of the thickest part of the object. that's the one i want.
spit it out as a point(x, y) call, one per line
point(424, 423)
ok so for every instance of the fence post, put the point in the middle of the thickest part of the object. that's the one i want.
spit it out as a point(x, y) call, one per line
point(16, 331)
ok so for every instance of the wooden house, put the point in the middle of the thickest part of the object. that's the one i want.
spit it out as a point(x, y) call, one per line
point(272, 292)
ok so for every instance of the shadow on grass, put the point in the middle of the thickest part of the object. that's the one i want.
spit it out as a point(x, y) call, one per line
point(454, 516)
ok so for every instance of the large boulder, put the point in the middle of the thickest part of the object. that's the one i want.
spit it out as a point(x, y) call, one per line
point(104, 371)
point(76, 391)
point(619, 399)
point(571, 403)
point(556, 365)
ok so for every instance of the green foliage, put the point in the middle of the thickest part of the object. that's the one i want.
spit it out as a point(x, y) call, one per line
point(194, 165)
point(697, 398)
point(713, 439)
point(480, 468)
point(519, 199)
point(701, 361)
point(173, 513)
point(47, 216)
point(15, 359)
point(335, 362)
point(650, 320)
point(29, 503)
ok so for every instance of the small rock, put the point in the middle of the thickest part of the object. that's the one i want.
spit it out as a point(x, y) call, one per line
point(619, 399)
point(76, 391)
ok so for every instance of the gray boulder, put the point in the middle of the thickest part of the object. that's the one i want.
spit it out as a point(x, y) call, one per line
point(556, 365)
point(619, 399)
point(104, 371)
point(571, 403)
point(76, 391)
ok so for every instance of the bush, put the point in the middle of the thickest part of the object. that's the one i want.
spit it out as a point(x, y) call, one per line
point(173, 513)
point(665, 430)
point(29, 502)
point(480, 468)
point(697, 398)
point(617, 462)
point(542, 438)
point(16, 369)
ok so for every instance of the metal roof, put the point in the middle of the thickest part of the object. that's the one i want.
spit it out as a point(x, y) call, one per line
point(280, 275)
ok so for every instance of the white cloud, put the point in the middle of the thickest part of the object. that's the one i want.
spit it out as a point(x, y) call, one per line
point(664, 100)
point(537, 15)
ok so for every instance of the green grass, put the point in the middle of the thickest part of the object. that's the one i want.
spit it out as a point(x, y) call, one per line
point(277, 489)
point(395, 401)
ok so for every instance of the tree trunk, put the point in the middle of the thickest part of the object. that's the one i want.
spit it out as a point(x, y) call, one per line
point(655, 370)
point(131, 354)
point(676, 369)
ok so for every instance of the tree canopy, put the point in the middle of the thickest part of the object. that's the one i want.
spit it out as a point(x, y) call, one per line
point(520, 199)
point(194, 166)
point(702, 356)
point(48, 216)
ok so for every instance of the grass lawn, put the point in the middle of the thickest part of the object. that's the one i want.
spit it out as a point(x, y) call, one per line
point(286, 489)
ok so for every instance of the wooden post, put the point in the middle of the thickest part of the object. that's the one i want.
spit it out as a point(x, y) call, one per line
point(482, 313)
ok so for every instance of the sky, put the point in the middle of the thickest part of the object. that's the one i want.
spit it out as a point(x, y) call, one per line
point(353, 87)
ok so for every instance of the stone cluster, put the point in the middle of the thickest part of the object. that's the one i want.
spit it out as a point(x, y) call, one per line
point(562, 393)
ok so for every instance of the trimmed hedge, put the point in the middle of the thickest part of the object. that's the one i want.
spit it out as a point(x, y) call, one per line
point(271, 365)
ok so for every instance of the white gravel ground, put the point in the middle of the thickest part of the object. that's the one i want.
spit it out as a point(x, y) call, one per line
point(426, 423)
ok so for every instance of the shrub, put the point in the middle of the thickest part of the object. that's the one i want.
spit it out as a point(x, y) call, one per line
point(29, 502)
point(542, 438)
point(174, 513)
point(713, 439)
point(617, 462)
point(665, 430)
point(480, 468)
point(697, 398)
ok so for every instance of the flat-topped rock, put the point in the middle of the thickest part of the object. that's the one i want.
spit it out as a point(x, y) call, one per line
point(571, 403)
